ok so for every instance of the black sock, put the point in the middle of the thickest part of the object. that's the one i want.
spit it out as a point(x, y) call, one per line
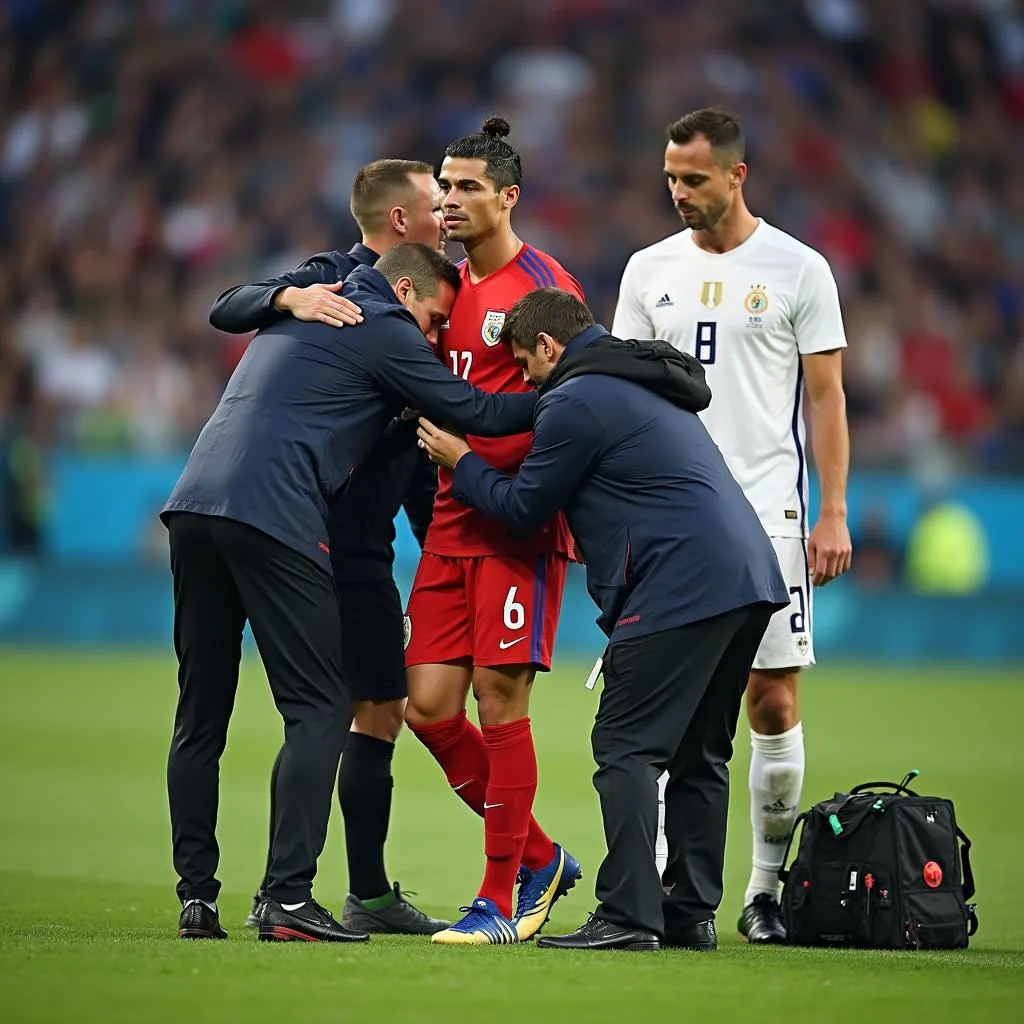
point(364, 791)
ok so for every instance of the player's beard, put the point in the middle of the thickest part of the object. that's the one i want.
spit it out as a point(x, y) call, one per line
point(707, 219)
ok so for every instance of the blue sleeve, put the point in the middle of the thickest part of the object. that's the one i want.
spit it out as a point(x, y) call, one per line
point(567, 440)
point(248, 307)
point(403, 364)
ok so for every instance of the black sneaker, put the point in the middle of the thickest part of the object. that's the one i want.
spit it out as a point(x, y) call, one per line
point(761, 921)
point(198, 921)
point(253, 920)
point(308, 923)
point(399, 918)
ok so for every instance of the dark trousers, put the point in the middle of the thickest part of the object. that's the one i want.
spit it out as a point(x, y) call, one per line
point(224, 574)
point(670, 701)
point(373, 667)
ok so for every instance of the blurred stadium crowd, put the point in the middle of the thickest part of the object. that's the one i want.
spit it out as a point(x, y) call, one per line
point(153, 153)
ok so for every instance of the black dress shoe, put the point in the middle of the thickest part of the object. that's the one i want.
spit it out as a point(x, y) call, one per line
point(198, 921)
point(761, 921)
point(599, 934)
point(308, 923)
point(700, 937)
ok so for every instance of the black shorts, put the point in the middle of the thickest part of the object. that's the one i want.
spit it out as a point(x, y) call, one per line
point(372, 640)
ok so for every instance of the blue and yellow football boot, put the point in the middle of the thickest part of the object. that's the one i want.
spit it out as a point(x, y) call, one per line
point(539, 889)
point(483, 925)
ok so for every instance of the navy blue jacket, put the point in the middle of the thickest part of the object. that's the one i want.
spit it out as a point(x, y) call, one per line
point(360, 524)
point(307, 404)
point(248, 307)
point(667, 536)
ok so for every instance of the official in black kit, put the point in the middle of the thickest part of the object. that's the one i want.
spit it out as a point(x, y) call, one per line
point(304, 409)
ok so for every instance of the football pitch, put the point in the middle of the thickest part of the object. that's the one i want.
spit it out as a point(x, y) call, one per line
point(88, 914)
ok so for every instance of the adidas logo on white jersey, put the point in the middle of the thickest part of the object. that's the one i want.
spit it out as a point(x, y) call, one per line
point(663, 301)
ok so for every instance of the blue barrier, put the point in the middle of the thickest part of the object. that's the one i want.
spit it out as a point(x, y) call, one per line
point(49, 603)
point(95, 587)
point(104, 509)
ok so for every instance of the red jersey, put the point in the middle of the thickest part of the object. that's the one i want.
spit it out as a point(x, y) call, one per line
point(469, 346)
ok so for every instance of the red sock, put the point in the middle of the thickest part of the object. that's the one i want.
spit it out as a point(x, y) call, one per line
point(458, 747)
point(511, 787)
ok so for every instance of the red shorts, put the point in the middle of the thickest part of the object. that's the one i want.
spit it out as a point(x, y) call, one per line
point(493, 609)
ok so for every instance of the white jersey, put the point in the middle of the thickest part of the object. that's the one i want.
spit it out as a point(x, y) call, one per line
point(748, 315)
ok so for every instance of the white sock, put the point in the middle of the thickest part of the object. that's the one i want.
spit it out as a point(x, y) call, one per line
point(293, 906)
point(776, 780)
point(205, 903)
point(661, 843)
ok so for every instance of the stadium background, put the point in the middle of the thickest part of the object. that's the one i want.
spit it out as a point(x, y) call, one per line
point(153, 153)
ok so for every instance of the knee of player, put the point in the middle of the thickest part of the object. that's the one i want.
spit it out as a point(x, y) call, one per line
point(500, 705)
point(416, 715)
point(436, 692)
point(383, 720)
point(506, 684)
point(428, 711)
point(492, 697)
point(772, 701)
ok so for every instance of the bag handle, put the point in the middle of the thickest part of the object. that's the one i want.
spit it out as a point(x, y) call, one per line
point(784, 871)
point(965, 860)
point(900, 787)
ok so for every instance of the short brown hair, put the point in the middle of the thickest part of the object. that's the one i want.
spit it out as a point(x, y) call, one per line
point(716, 124)
point(425, 267)
point(551, 310)
point(377, 187)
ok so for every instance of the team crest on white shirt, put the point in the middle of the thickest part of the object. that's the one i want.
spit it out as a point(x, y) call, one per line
point(711, 294)
point(490, 330)
point(756, 302)
point(756, 305)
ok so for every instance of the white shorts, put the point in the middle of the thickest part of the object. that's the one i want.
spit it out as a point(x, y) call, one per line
point(788, 642)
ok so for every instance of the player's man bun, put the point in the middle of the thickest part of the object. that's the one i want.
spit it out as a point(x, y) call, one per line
point(496, 126)
point(504, 167)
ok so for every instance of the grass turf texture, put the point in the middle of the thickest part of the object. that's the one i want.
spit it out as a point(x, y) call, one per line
point(88, 914)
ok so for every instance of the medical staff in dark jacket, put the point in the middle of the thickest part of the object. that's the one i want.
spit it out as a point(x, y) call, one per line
point(393, 201)
point(303, 410)
point(685, 579)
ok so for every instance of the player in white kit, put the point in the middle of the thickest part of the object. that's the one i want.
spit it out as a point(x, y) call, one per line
point(761, 311)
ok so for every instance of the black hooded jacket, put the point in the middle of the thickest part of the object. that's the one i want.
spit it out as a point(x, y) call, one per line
point(667, 536)
point(654, 365)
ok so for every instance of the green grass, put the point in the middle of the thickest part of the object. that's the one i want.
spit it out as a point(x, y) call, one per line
point(88, 914)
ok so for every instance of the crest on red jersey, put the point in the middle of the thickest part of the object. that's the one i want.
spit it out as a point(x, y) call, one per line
point(490, 329)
